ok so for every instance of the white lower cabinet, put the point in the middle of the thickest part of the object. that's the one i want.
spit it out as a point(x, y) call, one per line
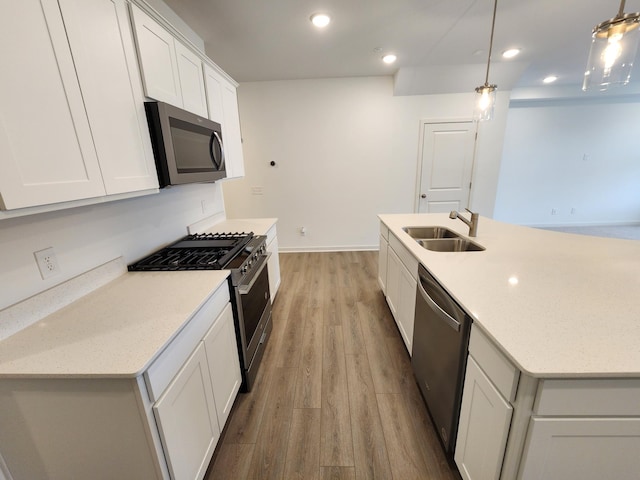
point(382, 264)
point(273, 263)
point(163, 424)
point(187, 419)
point(401, 283)
point(224, 365)
point(483, 428)
point(582, 448)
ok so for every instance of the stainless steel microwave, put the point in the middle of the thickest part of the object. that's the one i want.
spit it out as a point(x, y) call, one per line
point(187, 148)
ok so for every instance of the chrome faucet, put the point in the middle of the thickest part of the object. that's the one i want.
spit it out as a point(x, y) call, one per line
point(473, 223)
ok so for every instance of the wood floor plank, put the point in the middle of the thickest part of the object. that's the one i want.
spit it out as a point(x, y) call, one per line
point(350, 319)
point(383, 373)
point(268, 459)
point(336, 444)
point(231, 463)
point(405, 457)
point(369, 448)
point(349, 377)
point(290, 348)
point(427, 439)
point(303, 451)
point(309, 379)
point(338, 473)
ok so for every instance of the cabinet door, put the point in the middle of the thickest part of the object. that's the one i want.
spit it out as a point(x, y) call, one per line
point(382, 263)
point(406, 306)
point(46, 149)
point(104, 56)
point(213, 87)
point(187, 419)
point(274, 268)
point(231, 131)
point(158, 61)
point(483, 427)
point(224, 365)
point(584, 448)
point(393, 282)
point(191, 80)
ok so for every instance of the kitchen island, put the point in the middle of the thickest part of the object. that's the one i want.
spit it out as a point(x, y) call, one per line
point(556, 323)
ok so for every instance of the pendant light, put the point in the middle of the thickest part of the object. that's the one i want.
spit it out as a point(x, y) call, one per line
point(486, 94)
point(613, 49)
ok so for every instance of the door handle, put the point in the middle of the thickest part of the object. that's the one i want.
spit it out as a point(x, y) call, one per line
point(424, 195)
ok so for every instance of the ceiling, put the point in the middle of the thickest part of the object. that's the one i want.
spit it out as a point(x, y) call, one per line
point(438, 42)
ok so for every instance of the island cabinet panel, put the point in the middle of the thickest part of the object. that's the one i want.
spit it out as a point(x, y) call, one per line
point(483, 429)
point(382, 264)
point(584, 448)
point(401, 288)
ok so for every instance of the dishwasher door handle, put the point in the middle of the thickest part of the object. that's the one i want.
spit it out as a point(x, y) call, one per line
point(444, 316)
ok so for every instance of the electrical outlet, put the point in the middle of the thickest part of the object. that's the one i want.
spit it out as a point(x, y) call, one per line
point(303, 231)
point(554, 211)
point(573, 210)
point(47, 262)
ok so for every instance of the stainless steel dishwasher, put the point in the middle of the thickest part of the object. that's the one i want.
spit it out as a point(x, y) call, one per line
point(440, 343)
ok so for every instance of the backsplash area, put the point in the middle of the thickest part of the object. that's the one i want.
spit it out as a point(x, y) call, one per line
point(86, 237)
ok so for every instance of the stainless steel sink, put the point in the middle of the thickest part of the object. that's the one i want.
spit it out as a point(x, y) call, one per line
point(449, 245)
point(430, 232)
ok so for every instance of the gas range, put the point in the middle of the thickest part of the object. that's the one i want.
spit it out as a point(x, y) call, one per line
point(238, 252)
point(246, 256)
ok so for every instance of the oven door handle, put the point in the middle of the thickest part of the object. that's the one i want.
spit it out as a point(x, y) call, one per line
point(244, 289)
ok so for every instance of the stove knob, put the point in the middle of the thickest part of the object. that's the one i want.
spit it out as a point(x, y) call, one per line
point(244, 269)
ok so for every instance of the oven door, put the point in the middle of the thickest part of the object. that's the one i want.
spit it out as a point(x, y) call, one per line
point(255, 299)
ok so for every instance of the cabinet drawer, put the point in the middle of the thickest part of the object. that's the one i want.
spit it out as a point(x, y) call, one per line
point(405, 256)
point(495, 365)
point(592, 397)
point(384, 231)
point(171, 360)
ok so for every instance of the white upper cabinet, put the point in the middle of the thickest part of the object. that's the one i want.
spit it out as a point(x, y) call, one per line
point(99, 30)
point(72, 123)
point(46, 149)
point(222, 100)
point(158, 59)
point(231, 132)
point(172, 73)
point(191, 81)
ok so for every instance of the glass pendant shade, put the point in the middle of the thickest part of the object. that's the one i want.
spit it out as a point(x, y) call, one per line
point(613, 49)
point(484, 102)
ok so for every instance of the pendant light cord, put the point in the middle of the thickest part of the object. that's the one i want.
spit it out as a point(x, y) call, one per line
point(493, 24)
point(621, 12)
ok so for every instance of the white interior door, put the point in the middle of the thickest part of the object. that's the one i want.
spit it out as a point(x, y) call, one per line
point(446, 166)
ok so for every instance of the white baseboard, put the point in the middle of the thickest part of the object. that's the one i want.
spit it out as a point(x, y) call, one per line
point(346, 248)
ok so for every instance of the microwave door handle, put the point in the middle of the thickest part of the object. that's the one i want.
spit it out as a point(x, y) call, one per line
point(215, 137)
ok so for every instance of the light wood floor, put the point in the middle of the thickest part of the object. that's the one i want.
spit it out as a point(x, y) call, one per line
point(335, 396)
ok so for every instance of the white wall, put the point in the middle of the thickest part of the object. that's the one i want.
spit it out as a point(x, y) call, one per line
point(86, 237)
point(566, 155)
point(345, 150)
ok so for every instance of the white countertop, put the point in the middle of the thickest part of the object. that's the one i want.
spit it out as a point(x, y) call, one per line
point(259, 226)
point(557, 304)
point(114, 331)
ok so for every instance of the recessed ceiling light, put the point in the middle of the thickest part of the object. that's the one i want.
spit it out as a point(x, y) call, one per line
point(320, 20)
point(550, 79)
point(389, 58)
point(512, 52)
